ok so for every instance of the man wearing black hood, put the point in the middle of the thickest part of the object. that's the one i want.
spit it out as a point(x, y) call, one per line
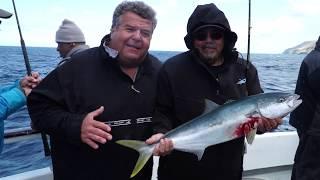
point(306, 118)
point(211, 70)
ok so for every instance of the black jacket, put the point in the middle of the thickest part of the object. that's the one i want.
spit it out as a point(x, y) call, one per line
point(308, 87)
point(306, 118)
point(93, 79)
point(184, 83)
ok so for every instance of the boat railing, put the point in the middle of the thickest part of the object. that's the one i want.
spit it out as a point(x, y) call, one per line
point(18, 134)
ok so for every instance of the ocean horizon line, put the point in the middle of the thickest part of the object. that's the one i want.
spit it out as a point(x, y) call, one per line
point(151, 50)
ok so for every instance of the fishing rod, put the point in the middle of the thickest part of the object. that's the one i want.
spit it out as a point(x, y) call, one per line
point(23, 46)
point(249, 30)
point(27, 63)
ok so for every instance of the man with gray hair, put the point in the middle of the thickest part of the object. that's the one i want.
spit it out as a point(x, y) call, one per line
point(101, 95)
point(70, 40)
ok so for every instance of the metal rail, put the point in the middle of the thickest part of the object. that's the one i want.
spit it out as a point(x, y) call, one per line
point(19, 134)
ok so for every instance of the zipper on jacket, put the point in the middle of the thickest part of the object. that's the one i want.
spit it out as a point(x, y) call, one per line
point(218, 83)
point(133, 81)
point(136, 90)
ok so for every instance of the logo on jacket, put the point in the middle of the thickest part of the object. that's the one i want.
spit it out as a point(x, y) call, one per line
point(126, 122)
point(242, 81)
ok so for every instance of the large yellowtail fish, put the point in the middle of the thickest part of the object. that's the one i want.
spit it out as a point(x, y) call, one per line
point(219, 124)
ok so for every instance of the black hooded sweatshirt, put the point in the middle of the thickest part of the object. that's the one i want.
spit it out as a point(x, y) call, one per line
point(308, 89)
point(90, 80)
point(306, 118)
point(184, 82)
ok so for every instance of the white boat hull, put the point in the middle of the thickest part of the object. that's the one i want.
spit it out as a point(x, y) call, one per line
point(270, 157)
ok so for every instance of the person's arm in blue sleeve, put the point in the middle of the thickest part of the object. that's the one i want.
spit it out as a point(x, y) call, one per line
point(13, 98)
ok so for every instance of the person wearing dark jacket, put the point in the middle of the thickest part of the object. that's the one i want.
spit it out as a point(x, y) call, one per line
point(306, 118)
point(101, 95)
point(211, 70)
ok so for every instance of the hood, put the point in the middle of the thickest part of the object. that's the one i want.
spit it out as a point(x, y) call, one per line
point(318, 44)
point(209, 15)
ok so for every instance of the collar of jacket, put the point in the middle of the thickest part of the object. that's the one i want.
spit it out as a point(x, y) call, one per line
point(145, 67)
point(77, 49)
point(196, 58)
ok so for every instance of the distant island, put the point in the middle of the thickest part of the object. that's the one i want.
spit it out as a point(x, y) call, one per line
point(303, 48)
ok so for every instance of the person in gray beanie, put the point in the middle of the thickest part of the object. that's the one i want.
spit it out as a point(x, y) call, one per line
point(211, 69)
point(70, 40)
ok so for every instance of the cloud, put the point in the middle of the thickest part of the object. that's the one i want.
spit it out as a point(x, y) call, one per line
point(282, 24)
point(169, 39)
point(276, 35)
point(285, 27)
point(305, 7)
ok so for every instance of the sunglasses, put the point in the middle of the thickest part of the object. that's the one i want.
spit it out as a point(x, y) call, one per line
point(202, 35)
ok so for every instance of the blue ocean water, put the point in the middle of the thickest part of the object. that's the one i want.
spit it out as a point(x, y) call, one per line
point(277, 72)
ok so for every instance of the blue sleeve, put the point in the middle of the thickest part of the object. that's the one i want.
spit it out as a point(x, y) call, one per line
point(1, 134)
point(7, 88)
point(11, 99)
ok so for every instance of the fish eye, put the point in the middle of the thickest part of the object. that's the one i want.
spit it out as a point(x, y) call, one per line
point(282, 100)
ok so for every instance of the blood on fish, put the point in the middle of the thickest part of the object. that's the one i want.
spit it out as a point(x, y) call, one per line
point(246, 127)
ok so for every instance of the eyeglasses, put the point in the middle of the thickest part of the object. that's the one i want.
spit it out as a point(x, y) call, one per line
point(202, 35)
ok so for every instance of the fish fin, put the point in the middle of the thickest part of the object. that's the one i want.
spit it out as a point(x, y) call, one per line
point(199, 153)
point(250, 136)
point(229, 101)
point(253, 114)
point(144, 153)
point(209, 106)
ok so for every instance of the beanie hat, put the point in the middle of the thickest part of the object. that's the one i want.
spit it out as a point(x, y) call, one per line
point(5, 14)
point(208, 15)
point(69, 32)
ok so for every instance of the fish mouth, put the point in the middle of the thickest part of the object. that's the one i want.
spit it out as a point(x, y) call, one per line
point(294, 101)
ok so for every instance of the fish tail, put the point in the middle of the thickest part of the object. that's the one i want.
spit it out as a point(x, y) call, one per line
point(144, 150)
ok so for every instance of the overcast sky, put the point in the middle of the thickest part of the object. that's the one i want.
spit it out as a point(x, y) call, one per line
point(276, 24)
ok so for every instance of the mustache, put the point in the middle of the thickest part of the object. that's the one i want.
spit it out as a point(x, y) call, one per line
point(209, 45)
